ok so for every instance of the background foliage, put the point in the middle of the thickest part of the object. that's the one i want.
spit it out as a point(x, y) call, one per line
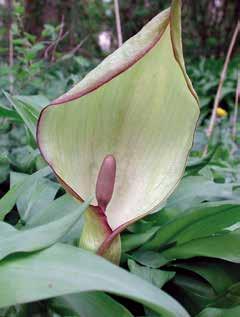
point(190, 248)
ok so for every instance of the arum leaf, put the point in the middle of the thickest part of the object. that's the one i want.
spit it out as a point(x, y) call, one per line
point(134, 240)
point(149, 258)
point(212, 270)
point(155, 277)
point(229, 300)
point(92, 304)
point(219, 312)
point(63, 269)
point(194, 223)
point(138, 105)
point(223, 246)
point(35, 101)
point(196, 164)
point(6, 230)
point(9, 199)
point(36, 198)
point(10, 114)
point(196, 189)
point(195, 293)
point(55, 210)
point(38, 237)
point(28, 113)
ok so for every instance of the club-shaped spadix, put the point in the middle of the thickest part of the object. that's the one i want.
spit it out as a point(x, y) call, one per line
point(139, 106)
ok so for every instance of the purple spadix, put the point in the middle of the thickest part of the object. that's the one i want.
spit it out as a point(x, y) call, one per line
point(105, 181)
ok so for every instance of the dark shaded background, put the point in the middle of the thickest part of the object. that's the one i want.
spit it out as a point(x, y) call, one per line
point(207, 24)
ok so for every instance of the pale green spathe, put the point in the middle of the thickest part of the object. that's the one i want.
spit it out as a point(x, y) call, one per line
point(145, 116)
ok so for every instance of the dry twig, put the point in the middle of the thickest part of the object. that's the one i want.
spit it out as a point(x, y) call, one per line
point(235, 115)
point(10, 45)
point(118, 23)
point(73, 51)
point(53, 46)
point(220, 85)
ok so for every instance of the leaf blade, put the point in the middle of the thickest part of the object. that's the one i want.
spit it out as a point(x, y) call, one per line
point(57, 271)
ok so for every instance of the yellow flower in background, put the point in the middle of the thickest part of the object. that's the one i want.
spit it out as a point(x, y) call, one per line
point(221, 112)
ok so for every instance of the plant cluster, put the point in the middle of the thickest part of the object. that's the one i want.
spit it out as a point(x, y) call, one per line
point(181, 260)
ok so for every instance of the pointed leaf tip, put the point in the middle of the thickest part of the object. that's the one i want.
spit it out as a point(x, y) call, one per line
point(106, 181)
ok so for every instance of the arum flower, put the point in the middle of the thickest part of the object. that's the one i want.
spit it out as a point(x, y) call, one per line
point(124, 132)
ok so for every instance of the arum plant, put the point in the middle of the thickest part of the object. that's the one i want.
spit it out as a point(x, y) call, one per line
point(124, 132)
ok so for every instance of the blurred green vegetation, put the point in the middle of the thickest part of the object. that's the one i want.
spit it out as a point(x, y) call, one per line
point(47, 46)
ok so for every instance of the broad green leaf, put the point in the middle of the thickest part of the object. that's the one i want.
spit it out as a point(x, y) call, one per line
point(196, 164)
point(225, 302)
point(195, 293)
point(218, 312)
point(195, 189)
point(230, 298)
point(36, 198)
point(154, 276)
point(6, 230)
point(91, 304)
point(205, 220)
point(8, 201)
point(35, 101)
point(39, 237)
point(211, 224)
point(63, 269)
point(219, 274)
point(138, 105)
point(143, 225)
point(134, 240)
point(55, 210)
point(219, 245)
point(149, 258)
point(28, 113)
point(10, 114)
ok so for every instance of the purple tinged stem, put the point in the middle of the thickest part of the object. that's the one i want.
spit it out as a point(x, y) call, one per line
point(105, 182)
